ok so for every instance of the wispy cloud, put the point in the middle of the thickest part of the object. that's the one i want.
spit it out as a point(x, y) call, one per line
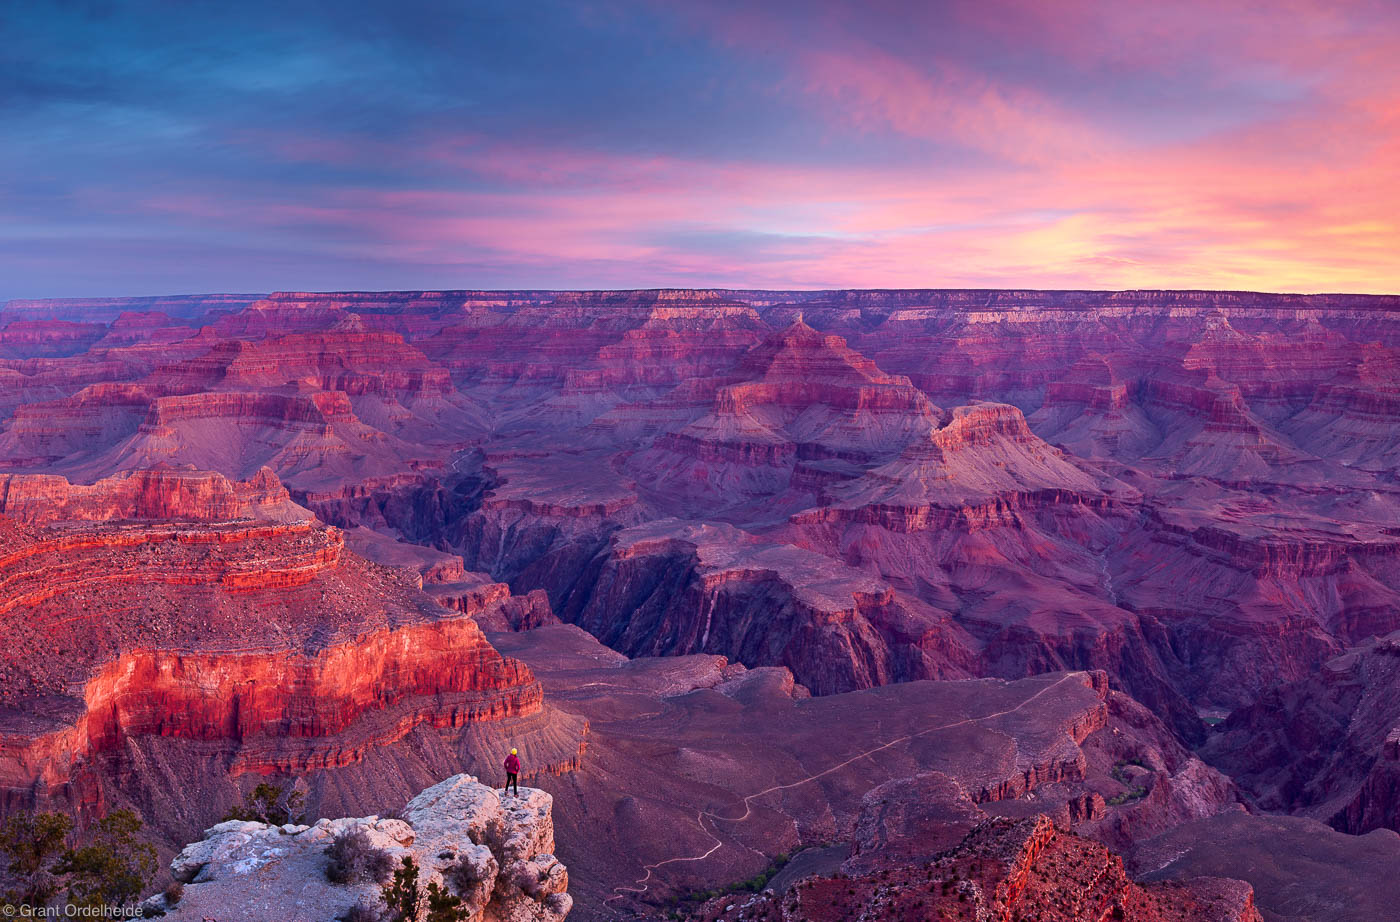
point(1079, 144)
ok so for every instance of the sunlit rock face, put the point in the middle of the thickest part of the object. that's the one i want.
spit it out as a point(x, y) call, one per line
point(179, 624)
point(1186, 489)
point(260, 536)
point(1000, 869)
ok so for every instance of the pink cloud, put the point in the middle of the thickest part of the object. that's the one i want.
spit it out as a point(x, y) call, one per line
point(1302, 194)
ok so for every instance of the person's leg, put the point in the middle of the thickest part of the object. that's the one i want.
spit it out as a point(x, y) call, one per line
point(515, 783)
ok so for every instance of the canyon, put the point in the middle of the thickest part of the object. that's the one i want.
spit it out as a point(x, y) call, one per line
point(665, 541)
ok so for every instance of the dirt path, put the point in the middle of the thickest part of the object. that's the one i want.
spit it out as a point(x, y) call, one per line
point(641, 885)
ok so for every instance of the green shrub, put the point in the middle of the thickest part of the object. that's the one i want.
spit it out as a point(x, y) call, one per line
point(30, 844)
point(1137, 792)
point(444, 906)
point(114, 868)
point(271, 804)
point(402, 898)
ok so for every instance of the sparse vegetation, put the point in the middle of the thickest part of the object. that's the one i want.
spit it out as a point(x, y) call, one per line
point(444, 906)
point(402, 898)
point(360, 913)
point(462, 876)
point(1118, 767)
point(405, 900)
point(352, 858)
point(1136, 792)
point(755, 884)
point(174, 893)
point(114, 868)
point(30, 844)
point(271, 804)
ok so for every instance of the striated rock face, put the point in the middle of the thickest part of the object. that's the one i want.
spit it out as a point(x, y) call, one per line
point(1188, 496)
point(1187, 490)
point(1003, 870)
point(797, 395)
point(669, 587)
point(155, 495)
point(322, 407)
point(699, 771)
point(177, 625)
point(1301, 870)
point(255, 872)
point(1326, 747)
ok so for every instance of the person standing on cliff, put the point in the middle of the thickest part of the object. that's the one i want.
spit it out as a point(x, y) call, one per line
point(512, 773)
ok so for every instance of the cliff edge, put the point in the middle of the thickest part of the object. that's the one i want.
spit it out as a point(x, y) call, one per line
point(260, 873)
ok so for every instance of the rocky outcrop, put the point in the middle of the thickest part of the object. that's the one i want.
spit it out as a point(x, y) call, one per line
point(1190, 492)
point(195, 496)
point(278, 873)
point(906, 769)
point(798, 394)
point(219, 623)
point(1290, 862)
point(1326, 746)
point(1002, 871)
point(668, 587)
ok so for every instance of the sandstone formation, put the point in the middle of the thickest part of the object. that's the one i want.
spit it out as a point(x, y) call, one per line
point(700, 771)
point(1024, 475)
point(170, 625)
point(1328, 746)
point(1002, 870)
point(259, 873)
point(795, 509)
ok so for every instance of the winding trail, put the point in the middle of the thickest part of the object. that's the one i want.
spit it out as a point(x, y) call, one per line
point(642, 884)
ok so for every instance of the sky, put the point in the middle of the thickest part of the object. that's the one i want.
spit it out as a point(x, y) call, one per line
point(186, 146)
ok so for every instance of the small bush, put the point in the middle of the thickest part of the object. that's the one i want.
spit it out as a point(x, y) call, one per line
point(353, 859)
point(1137, 792)
point(30, 843)
point(402, 898)
point(114, 868)
point(173, 893)
point(462, 876)
point(359, 913)
point(271, 804)
point(444, 906)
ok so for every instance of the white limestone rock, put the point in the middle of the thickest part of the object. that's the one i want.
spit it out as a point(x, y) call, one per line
point(260, 873)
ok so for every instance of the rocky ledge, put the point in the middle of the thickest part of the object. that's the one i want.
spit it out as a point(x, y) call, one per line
point(254, 872)
point(1004, 870)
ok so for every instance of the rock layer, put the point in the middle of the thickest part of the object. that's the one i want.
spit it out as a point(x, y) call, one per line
point(189, 613)
point(1002, 871)
point(700, 771)
point(278, 873)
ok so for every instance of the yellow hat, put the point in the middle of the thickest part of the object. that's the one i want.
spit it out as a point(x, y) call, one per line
point(512, 752)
